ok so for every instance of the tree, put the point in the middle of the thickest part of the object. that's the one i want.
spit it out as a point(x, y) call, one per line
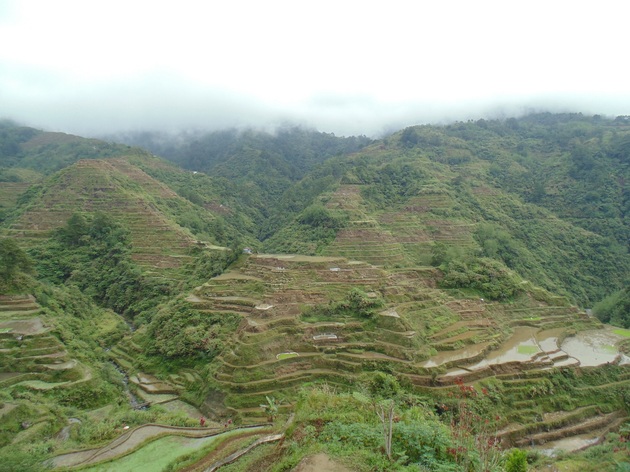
point(615, 309)
point(12, 260)
point(74, 230)
point(271, 408)
point(385, 391)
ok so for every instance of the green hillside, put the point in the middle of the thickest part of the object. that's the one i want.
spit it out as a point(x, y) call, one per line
point(257, 168)
point(412, 303)
point(473, 190)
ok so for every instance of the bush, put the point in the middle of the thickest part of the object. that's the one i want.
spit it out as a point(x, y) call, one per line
point(179, 330)
point(488, 276)
point(615, 309)
point(516, 461)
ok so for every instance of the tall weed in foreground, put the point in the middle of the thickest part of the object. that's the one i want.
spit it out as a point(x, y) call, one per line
point(475, 443)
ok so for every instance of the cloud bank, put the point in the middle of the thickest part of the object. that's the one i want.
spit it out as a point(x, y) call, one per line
point(344, 67)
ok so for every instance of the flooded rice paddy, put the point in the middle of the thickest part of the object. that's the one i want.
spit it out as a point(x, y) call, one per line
point(529, 344)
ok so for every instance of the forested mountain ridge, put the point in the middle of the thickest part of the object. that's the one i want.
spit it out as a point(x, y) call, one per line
point(259, 165)
point(518, 191)
point(546, 194)
point(408, 265)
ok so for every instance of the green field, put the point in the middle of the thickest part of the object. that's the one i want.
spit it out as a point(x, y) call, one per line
point(528, 349)
point(155, 456)
point(287, 355)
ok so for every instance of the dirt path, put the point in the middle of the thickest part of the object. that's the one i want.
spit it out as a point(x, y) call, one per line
point(320, 463)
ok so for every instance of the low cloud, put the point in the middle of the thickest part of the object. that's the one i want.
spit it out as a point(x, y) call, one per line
point(163, 101)
point(94, 68)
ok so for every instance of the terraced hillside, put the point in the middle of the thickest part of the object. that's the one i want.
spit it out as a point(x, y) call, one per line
point(30, 355)
point(34, 364)
point(472, 189)
point(405, 235)
point(429, 268)
point(293, 332)
point(10, 192)
point(121, 190)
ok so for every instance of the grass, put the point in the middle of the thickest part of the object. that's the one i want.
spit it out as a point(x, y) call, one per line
point(155, 456)
point(528, 349)
point(5, 330)
point(40, 384)
point(622, 332)
point(286, 355)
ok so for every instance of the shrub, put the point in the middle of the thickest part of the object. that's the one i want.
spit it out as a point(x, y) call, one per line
point(488, 276)
point(516, 461)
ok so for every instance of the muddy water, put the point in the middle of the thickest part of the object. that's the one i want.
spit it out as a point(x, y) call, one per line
point(572, 444)
point(594, 347)
point(589, 348)
point(548, 339)
point(459, 354)
point(520, 347)
point(25, 327)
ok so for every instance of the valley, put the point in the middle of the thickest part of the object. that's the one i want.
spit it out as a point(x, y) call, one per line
point(454, 276)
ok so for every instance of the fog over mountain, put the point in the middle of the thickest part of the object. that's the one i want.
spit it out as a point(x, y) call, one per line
point(350, 68)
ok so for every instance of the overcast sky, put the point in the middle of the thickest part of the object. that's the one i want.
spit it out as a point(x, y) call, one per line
point(348, 67)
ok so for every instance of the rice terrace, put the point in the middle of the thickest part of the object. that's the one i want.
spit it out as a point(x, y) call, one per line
point(447, 298)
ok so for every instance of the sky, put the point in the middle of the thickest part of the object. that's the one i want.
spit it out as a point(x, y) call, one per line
point(343, 66)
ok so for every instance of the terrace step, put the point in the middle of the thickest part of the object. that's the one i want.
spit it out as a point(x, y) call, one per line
point(586, 425)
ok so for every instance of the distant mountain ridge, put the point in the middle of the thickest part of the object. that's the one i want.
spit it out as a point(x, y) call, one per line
point(546, 194)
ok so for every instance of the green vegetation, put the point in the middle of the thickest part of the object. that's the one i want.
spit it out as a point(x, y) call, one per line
point(28, 148)
point(286, 355)
point(615, 309)
point(13, 262)
point(404, 434)
point(421, 260)
point(93, 254)
point(486, 276)
point(357, 304)
point(155, 456)
point(516, 461)
point(255, 171)
point(179, 331)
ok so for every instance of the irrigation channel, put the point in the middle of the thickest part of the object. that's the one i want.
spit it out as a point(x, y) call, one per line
point(135, 402)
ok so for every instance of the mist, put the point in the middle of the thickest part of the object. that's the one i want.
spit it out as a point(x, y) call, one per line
point(350, 69)
point(171, 106)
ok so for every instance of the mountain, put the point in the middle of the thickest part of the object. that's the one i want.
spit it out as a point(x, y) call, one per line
point(467, 189)
point(436, 277)
point(259, 166)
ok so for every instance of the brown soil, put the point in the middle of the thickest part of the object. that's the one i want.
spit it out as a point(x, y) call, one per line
point(320, 463)
point(25, 327)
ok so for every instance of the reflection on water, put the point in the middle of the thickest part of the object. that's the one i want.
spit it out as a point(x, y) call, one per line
point(450, 356)
point(548, 339)
point(594, 347)
point(574, 443)
point(589, 348)
point(520, 347)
